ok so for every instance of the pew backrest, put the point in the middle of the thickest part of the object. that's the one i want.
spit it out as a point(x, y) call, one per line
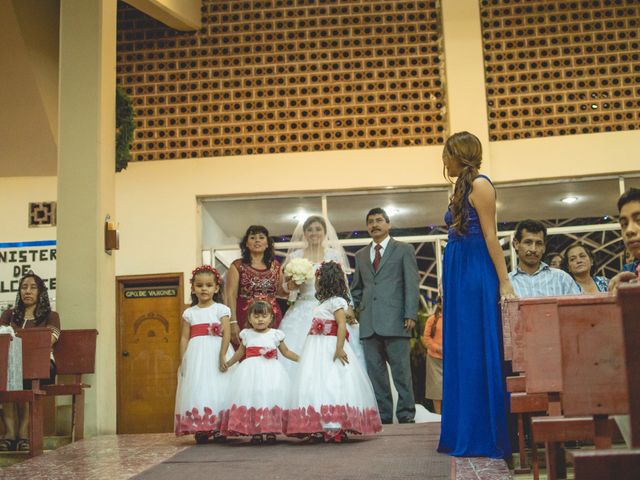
point(541, 345)
point(593, 365)
point(36, 351)
point(5, 341)
point(75, 352)
point(629, 302)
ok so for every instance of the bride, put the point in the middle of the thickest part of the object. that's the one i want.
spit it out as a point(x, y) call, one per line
point(316, 240)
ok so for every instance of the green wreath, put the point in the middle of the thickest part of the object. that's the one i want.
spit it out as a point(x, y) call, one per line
point(124, 129)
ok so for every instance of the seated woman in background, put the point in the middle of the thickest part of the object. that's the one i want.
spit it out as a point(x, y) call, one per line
point(553, 259)
point(579, 263)
point(432, 339)
point(32, 309)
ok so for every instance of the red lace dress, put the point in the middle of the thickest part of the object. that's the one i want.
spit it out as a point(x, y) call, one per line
point(255, 283)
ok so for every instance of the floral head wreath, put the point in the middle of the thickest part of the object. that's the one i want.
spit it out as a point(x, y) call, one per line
point(207, 269)
point(259, 298)
point(319, 269)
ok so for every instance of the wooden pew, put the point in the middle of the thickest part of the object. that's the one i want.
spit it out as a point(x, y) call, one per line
point(593, 367)
point(533, 344)
point(522, 403)
point(75, 355)
point(619, 464)
point(36, 348)
point(629, 302)
point(567, 322)
point(5, 341)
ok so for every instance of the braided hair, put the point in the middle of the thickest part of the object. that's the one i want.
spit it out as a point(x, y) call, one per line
point(43, 307)
point(208, 270)
point(331, 282)
point(465, 148)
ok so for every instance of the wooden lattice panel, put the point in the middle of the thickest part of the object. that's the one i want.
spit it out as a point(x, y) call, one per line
point(277, 76)
point(561, 67)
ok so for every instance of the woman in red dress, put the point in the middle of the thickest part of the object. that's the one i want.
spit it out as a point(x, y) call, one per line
point(256, 275)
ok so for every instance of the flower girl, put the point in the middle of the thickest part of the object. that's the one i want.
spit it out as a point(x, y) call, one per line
point(259, 392)
point(331, 393)
point(203, 346)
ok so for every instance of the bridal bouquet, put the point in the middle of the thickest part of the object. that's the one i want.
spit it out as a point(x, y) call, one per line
point(299, 270)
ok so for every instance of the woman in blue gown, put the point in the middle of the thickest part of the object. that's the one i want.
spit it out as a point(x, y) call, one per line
point(475, 280)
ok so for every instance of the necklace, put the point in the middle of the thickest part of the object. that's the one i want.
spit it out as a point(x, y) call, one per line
point(28, 318)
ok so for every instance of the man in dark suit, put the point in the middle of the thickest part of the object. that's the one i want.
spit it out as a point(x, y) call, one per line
point(385, 296)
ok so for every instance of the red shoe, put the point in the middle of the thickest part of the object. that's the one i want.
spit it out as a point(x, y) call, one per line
point(340, 437)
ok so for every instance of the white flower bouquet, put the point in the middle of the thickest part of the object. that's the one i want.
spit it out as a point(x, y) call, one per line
point(299, 270)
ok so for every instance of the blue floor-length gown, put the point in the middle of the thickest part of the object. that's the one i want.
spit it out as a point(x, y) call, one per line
point(474, 403)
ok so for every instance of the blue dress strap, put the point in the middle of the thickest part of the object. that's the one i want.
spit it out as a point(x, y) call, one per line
point(490, 182)
point(484, 176)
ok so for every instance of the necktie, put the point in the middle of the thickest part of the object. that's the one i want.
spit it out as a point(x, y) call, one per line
point(377, 257)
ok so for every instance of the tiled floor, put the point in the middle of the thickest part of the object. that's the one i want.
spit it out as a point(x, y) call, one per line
point(475, 468)
point(112, 457)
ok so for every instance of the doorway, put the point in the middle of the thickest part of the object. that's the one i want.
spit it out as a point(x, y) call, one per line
point(148, 320)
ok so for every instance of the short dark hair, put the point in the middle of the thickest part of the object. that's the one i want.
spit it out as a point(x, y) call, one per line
point(269, 253)
point(549, 256)
point(377, 211)
point(533, 226)
point(631, 195)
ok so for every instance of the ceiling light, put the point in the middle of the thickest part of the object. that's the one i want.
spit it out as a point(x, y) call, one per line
point(569, 200)
point(392, 210)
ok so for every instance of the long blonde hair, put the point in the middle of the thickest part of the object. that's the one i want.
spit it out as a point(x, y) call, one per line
point(465, 148)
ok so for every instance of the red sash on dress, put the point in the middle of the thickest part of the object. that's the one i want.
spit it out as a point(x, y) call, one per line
point(205, 329)
point(325, 327)
point(268, 353)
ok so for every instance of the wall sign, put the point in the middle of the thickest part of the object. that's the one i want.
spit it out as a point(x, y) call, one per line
point(150, 292)
point(19, 258)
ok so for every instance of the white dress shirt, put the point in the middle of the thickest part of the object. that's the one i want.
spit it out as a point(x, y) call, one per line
point(383, 244)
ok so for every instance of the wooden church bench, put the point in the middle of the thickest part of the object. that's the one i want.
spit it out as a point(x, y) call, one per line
point(36, 348)
point(75, 355)
point(592, 383)
point(523, 402)
point(619, 464)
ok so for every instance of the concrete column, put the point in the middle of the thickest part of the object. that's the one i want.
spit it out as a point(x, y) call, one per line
point(464, 64)
point(86, 191)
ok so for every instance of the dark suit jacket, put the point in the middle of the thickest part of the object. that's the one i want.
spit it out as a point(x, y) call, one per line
point(384, 299)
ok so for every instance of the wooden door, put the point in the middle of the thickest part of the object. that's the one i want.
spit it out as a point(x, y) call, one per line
point(148, 320)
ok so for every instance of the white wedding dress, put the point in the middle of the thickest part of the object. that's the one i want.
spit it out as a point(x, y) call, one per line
point(297, 321)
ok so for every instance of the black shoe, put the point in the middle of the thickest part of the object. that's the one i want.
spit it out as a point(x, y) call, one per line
point(219, 438)
point(386, 422)
point(406, 420)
